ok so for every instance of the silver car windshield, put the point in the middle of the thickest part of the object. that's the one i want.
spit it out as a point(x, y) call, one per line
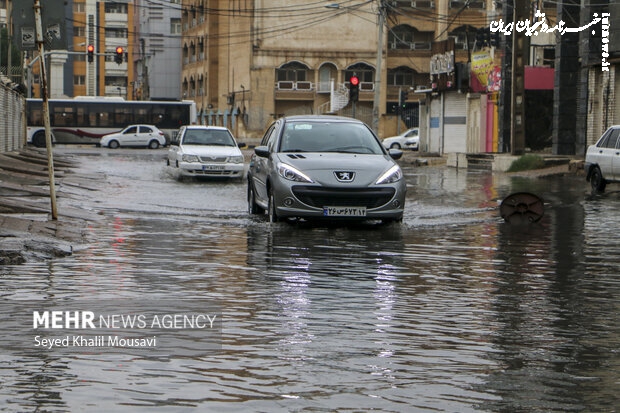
point(208, 137)
point(343, 137)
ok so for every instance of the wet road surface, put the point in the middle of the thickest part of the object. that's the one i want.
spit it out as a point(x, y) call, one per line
point(452, 310)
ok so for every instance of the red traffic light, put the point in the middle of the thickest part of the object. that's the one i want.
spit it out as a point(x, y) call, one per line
point(90, 48)
point(354, 80)
point(119, 55)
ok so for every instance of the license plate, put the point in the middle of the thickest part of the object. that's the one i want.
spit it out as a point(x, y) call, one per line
point(335, 211)
point(212, 167)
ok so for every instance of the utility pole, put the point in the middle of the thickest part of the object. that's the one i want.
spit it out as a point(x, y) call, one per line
point(377, 96)
point(45, 104)
point(520, 48)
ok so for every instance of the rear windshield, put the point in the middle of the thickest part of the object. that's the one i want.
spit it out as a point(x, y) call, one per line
point(344, 137)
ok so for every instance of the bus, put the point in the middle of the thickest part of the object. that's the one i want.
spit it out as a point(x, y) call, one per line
point(84, 120)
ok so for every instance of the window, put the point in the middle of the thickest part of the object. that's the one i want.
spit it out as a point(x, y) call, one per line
point(612, 139)
point(79, 31)
point(405, 37)
point(79, 7)
point(114, 7)
point(401, 76)
point(116, 81)
point(175, 26)
point(464, 37)
point(116, 33)
point(294, 72)
point(79, 80)
point(365, 73)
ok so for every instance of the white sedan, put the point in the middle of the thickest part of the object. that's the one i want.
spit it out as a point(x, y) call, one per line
point(205, 151)
point(602, 163)
point(135, 135)
point(410, 139)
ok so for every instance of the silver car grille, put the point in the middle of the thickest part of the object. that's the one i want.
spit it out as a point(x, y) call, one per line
point(213, 159)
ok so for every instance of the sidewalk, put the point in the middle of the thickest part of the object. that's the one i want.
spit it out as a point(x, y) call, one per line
point(27, 231)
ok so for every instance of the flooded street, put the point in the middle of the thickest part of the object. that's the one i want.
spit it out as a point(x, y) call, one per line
point(452, 310)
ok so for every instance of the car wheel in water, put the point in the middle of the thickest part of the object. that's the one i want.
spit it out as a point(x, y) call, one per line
point(153, 144)
point(253, 207)
point(395, 146)
point(271, 212)
point(597, 181)
point(113, 145)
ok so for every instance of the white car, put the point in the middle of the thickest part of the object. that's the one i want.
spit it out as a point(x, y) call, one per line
point(602, 163)
point(205, 151)
point(410, 139)
point(135, 135)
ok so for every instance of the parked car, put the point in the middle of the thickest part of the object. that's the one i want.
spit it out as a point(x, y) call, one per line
point(205, 151)
point(409, 139)
point(135, 135)
point(324, 167)
point(602, 163)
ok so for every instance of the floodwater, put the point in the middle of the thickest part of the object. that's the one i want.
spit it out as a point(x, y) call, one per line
point(453, 310)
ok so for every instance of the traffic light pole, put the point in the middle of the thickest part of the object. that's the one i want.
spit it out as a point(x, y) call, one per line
point(400, 110)
point(377, 96)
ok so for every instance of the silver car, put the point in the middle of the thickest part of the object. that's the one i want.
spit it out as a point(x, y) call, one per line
point(205, 151)
point(325, 167)
point(602, 163)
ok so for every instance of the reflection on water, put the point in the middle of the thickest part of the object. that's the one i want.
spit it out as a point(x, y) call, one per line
point(454, 310)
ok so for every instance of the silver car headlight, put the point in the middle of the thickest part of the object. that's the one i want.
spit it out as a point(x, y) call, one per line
point(190, 158)
point(394, 174)
point(236, 159)
point(292, 174)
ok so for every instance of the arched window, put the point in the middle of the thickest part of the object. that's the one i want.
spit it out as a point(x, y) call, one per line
point(401, 76)
point(192, 87)
point(185, 87)
point(292, 72)
point(464, 37)
point(363, 71)
point(185, 54)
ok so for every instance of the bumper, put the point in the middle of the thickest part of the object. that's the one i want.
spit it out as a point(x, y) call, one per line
point(307, 201)
point(232, 170)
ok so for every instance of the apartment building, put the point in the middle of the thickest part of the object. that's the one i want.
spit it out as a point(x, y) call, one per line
point(255, 60)
point(149, 32)
point(157, 49)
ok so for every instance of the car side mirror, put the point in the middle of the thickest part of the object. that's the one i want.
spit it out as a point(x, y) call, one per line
point(262, 151)
point(395, 153)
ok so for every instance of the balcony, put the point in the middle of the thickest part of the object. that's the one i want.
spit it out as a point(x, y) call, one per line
point(291, 90)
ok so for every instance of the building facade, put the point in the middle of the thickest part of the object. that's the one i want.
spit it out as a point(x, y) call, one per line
point(157, 49)
point(149, 32)
point(248, 62)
